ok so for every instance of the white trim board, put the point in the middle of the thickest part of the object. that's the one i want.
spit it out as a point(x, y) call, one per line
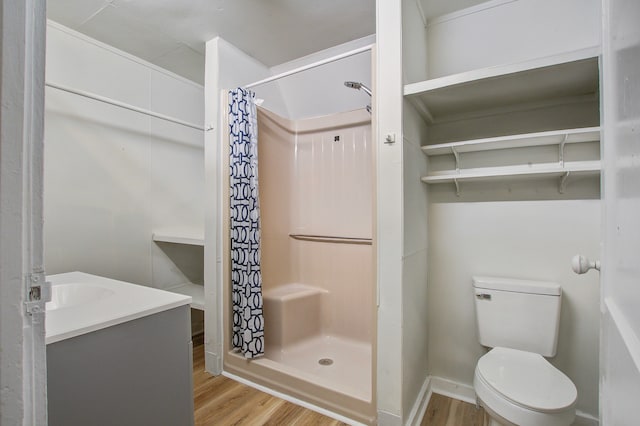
point(452, 389)
point(23, 399)
point(420, 406)
point(625, 329)
point(478, 75)
point(388, 419)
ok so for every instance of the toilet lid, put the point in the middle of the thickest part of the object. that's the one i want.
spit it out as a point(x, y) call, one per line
point(527, 379)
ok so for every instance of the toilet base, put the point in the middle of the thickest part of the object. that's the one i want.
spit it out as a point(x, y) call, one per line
point(491, 418)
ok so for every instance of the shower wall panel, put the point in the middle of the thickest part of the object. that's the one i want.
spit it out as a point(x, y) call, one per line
point(316, 179)
point(276, 160)
point(334, 176)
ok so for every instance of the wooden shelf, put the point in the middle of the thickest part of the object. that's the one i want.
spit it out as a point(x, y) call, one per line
point(179, 236)
point(541, 81)
point(556, 137)
point(532, 170)
point(196, 291)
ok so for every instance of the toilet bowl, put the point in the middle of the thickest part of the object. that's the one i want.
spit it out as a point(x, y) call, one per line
point(522, 388)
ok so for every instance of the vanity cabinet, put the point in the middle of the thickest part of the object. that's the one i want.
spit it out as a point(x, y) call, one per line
point(135, 373)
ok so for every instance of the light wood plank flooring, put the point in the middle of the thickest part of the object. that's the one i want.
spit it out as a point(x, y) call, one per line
point(444, 411)
point(221, 401)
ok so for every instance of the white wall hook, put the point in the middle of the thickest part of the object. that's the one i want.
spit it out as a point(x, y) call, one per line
point(390, 138)
point(581, 264)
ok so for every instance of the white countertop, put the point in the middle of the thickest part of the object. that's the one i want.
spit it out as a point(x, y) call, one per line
point(119, 302)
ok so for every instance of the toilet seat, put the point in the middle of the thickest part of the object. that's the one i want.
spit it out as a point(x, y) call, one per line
point(525, 388)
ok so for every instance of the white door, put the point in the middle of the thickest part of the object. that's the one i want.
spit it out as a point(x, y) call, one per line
point(620, 321)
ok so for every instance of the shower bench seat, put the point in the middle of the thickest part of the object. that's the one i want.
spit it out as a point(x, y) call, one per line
point(292, 312)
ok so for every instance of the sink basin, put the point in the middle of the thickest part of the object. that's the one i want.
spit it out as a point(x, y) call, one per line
point(74, 294)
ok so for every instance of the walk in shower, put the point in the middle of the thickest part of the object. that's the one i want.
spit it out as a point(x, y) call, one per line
point(317, 261)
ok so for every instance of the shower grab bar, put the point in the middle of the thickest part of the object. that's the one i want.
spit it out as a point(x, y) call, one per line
point(331, 239)
point(113, 102)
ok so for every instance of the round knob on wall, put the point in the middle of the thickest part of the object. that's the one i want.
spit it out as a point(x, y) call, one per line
point(581, 264)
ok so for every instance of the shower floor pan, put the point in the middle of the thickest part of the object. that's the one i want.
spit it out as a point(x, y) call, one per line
point(336, 363)
point(331, 371)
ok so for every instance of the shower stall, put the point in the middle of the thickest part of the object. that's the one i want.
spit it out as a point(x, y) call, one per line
point(316, 185)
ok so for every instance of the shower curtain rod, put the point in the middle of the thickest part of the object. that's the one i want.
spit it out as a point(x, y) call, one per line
point(310, 66)
point(123, 105)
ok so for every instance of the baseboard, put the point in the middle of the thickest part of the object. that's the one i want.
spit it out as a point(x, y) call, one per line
point(584, 419)
point(293, 400)
point(213, 363)
point(464, 392)
point(388, 419)
point(420, 406)
point(452, 389)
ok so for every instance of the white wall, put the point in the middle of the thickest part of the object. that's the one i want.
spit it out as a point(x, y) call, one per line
point(526, 239)
point(501, 32)
point(321, 90)
point(414, 42)
point(113, 176)
point(389, 209)
point(226, 68)
point(415, 267)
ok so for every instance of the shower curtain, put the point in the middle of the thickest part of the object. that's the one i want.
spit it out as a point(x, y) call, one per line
point(246, 277)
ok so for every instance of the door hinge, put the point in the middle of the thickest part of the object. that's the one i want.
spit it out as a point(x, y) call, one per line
point(38, 292)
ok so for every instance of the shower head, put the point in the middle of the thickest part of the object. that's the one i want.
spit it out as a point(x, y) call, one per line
point(358, 86)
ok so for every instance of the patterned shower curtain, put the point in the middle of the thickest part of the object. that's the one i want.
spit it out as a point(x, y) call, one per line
point(246, 278)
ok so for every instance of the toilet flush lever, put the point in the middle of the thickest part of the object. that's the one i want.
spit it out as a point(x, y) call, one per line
point(483, 296)
point(582, 265)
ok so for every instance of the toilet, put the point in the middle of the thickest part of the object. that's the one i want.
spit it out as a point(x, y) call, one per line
point(514, 383)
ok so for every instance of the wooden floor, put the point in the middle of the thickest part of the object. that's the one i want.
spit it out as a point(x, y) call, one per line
point(221, 401)
point(443, 411)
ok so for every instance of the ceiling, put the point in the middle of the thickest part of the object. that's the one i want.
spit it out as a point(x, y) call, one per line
point(172, 33)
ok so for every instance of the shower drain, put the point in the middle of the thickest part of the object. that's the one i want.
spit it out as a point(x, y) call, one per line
point(325, 361)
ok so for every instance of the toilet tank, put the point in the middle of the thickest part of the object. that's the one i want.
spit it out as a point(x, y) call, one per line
point(518, 314)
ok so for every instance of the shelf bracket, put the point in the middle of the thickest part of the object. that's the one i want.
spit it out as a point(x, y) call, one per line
point(457, 155)
point(561, 149)
point(563, 182)
point(455, 181)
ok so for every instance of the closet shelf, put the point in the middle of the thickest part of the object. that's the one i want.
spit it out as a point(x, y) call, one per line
point(196, 291)
point(545, 80)
point(555, 137)
point(529, 170)
point(179, 236)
